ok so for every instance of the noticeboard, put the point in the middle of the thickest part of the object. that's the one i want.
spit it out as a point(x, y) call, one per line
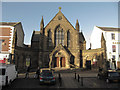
point(27, 62)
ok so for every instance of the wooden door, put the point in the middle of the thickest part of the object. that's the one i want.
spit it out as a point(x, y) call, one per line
point(57, 61)
point(63, 61)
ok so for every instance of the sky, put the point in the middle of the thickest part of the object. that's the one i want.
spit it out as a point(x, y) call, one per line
point(89, 14)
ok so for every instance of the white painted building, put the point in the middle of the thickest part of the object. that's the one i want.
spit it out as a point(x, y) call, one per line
point(112, 37)
point(11, 35)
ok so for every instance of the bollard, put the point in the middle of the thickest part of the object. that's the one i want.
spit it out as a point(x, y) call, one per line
point(78, 77)
point(75, 75)
point(81, 81)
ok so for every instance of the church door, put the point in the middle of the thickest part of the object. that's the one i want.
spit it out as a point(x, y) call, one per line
point(63, 61)
point(57, 61)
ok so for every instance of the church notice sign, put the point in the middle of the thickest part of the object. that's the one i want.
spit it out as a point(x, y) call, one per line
point(27, 62)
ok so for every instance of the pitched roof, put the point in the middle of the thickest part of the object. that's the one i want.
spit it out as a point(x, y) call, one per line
point(63, 16)
point(9, 23)
point(60, 47)
point(35, 36)
point(109, 29)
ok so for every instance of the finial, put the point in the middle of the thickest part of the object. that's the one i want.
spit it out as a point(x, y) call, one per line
point(59, 8)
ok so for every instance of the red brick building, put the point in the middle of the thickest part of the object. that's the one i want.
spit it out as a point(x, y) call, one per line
point(11, 35)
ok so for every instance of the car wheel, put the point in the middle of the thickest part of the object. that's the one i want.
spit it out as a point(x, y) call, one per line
point(107, 80)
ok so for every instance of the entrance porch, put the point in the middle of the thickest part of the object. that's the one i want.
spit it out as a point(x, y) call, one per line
point(59, 58)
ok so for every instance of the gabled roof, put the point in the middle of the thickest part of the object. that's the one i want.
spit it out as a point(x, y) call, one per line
point(63, 16)
point(9, 23)
point(59, 47)
point(109, 28)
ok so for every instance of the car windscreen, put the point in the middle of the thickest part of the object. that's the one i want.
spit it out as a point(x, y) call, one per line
point(112, 74)
point(2, 71)
point(49, 74)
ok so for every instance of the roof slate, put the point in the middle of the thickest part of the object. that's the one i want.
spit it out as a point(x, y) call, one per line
point(109, 29)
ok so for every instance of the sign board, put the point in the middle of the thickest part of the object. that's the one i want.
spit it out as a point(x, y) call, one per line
point(27, 62)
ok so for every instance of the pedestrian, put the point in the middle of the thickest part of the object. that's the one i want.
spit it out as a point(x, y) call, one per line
point(27, 72)
point(38, 73)
point(60, 80)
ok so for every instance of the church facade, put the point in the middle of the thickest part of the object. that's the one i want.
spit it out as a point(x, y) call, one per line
point(59, 43)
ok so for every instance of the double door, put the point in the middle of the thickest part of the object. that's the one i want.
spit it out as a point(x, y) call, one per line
point(59, 62)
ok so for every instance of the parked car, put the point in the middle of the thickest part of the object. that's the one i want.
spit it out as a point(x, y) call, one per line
point(109, 75)
point(47, 76)
point(7, 74)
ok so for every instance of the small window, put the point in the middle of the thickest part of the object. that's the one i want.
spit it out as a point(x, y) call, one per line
point(1, 42)
point(59, 17)
point(114, 48)
point(113, 36)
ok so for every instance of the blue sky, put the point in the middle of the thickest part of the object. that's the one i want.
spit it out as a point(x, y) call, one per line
point(89, 14)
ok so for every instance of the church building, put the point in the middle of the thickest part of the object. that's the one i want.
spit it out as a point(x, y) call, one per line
point(59, 43)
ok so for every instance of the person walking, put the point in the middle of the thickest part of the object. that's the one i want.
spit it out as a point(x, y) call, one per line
point(38, 73)
point(27, 72)
point(60, 80)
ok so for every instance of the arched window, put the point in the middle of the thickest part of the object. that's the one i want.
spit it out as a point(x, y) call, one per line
point(59, 36)
point(49, 38)
point(68, 39)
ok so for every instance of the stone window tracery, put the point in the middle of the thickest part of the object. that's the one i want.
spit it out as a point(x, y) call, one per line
point(59, 36)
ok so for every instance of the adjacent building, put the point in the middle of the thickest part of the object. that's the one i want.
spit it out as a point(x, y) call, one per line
point(112, 39)
point(11, 35)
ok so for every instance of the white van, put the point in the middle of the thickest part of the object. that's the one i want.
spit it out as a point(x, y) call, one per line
point(7, 74)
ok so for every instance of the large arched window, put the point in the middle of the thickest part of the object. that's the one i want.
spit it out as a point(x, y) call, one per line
point(68, 39)
point(49, 38)
point(59, 36)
